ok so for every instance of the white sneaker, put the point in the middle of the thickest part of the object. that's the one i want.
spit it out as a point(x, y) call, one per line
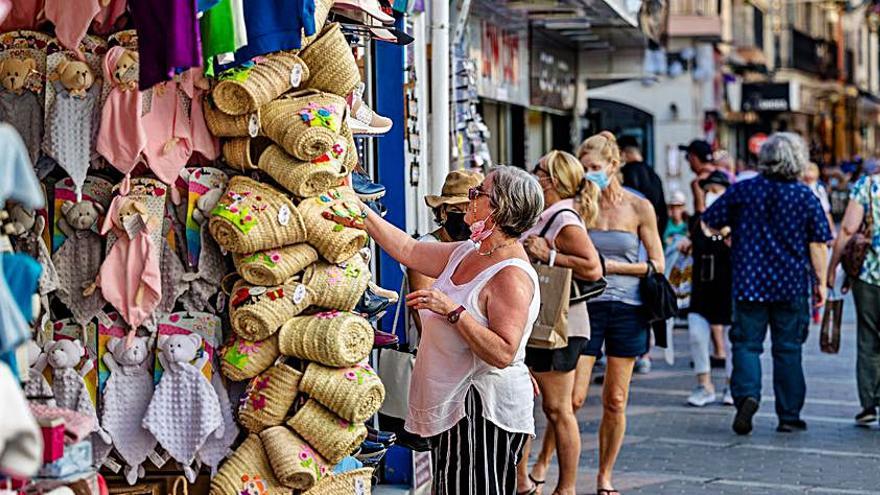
point(701, 397)
point(362, 120)
point(728, 397)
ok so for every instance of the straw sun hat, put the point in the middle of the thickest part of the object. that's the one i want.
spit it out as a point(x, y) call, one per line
point(455, 188)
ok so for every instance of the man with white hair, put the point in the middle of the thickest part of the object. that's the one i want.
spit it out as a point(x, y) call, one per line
point(779, 231)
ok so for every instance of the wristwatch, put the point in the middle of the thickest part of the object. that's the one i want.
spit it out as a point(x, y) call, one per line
point(454, 315)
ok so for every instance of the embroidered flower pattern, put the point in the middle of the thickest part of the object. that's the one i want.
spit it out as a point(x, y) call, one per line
point(327, 315)
point(232, 208)
point(254, 393)
point(320, 116)
point(334, 275)
point(307, 460)
point(248, 346)
point(253, 485)
point(236, 358)
point(361, 373)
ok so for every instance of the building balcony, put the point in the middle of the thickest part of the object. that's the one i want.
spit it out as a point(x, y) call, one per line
point(695, 19)
point(814, 56)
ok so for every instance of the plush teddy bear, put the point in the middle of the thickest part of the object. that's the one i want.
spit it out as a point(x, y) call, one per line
point(14, 73)
point(78, 216)
point(76, 77)
point(22, 220)
point(20, 106)
point(123, 73)
point(26, 230)
point(126, 397)
point(185, 409)
point(205, 204)
point(37, 389)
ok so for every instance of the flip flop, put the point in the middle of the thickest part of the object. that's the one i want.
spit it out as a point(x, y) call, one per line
point(610, 491)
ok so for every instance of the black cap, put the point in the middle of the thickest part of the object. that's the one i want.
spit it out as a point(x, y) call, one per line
point(716, 177)
point(700, 149)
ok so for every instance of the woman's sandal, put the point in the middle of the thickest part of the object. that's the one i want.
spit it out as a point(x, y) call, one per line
point(534, 489)
point(607, 491)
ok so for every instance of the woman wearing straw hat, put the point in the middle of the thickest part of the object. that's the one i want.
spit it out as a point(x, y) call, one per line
point(471, 393)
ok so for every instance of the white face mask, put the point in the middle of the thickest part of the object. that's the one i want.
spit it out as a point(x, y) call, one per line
point(711, 197)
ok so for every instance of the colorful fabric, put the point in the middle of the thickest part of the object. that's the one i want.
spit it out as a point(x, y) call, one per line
point(71, 20)
point(870, 273)
point(275, 25)
point(122, 137)
point(168, 38)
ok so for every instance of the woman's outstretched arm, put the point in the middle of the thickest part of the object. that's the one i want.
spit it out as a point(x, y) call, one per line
point(427, 258)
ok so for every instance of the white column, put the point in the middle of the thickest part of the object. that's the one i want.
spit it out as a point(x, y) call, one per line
point(440, 56)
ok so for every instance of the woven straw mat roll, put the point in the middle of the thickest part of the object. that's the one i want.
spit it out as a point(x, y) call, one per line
point(247, 470)
point(332, 338)
point(306, 179)
point(339, 286)
point(354, 394)
point(306, 123)
point(351, 153)
point(333, 437)
point(265, 81)
point(334, 68)
point(243, 359)
point(357, 481)
point(295, 463)
point(275, 266)
point(224, 125)
point(243, 153)
point(268, 397)
point(341, 236)
point(253, 217)
point(257, 312)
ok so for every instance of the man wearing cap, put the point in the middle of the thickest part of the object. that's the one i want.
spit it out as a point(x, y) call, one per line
point(699, 156)
point(639, 176)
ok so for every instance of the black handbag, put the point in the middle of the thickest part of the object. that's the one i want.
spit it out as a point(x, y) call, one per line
point(581, 290)
point(658, 296)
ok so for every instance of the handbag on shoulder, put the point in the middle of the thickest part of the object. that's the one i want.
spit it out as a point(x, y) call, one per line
point(581, 290)
point(658, 296)
point(856, 249)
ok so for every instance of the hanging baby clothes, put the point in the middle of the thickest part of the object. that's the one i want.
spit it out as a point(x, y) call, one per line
point(71, 19)
point(121, 138)
point(109, 19)
point(31, 243)
point(25, 14)
point(168, 38)
point(25, 112)
point(71, 130)
point(130, 278)
point(172, 279)
point(275, 25)
point(167, 128)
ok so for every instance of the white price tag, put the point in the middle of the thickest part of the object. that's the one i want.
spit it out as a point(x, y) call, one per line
point(284, 215)
point(359, 488)
point(299, 294)
point(112, 465)
point(253, 125)
point(257, 291)
point(296, 75)
point(105, 320)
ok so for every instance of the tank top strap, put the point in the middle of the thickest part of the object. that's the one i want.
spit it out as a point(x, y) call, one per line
point(455, 259)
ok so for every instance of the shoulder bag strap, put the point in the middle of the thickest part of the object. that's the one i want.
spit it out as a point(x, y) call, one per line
point(553, 218)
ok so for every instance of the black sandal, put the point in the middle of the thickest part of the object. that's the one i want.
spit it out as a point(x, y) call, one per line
point(531, 491)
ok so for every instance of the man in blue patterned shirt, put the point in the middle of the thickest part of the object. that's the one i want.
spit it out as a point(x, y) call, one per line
point(779, 234)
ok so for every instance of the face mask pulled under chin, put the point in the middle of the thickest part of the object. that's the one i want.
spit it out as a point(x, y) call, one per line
point(711, 197)
point(456, 227)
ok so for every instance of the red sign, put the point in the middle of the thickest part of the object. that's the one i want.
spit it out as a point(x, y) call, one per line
point(756, 141)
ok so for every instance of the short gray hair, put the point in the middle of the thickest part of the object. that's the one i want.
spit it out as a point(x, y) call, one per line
point(517, 199)
point(783, 156)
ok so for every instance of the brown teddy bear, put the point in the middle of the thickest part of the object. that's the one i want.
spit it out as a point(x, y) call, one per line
point(123, 74)
point(14, 73)
point(75, 76)
point(78, 216)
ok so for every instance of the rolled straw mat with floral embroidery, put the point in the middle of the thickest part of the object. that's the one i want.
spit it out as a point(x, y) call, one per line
point(243, 153)
point(334, 68)
point(253, 217)
point(358, 481)
point(351, 153)
point(247, 470)
point(354, 394)
point(269, 78)
point(257, 312)
point(333, 437)
point(338, 286)
point(268, 397)
point(335, 223)
point(275, 266)
point(306, 123)
point(332, 338)
point(224, 125)
point(295, 463)
point(306, 178)
point(243, 359)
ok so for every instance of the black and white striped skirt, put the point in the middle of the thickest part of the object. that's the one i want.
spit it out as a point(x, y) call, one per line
point(475, 457)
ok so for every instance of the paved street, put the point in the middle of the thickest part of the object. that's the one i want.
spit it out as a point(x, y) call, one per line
point(672, 448)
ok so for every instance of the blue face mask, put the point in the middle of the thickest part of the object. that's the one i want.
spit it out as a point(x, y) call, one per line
point(598, 177)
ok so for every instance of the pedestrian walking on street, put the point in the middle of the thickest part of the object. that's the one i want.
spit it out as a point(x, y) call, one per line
point(864, 202)
point(617, 319)
point(639, 176)
point(471, 393)
point(560, 239)
point(677, 226)
point(711, 299)
point(702, 161)
point(778, 231)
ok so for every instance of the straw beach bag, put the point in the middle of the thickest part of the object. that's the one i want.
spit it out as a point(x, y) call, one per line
point(247, 470)
point(306, 179)
point(331, 338)
point(243, 153)
point(351, 151)
point(335, 223)
point(268, 398)
point(295, 463)
point(257, 312)
point(253, 217)
point(333, 437)
point(354, 394)
point(306, 123)
point(338, 286)
point(243, 359)
point(358, 481)
point(224, 125)
point(275, 266)
point(248, 90)
point(334, 68)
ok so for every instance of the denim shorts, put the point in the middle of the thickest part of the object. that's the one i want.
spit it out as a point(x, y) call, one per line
point(621, 327)
point(563, 359)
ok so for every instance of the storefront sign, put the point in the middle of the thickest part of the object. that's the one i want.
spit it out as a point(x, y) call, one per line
point(501, 58)
point(766, 97)
point(552, 75)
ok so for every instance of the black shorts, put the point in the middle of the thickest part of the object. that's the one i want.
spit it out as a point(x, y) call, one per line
point(622, 327)
point(562, 359)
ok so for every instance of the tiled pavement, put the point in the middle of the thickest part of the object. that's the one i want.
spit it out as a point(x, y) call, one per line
point(675, 449)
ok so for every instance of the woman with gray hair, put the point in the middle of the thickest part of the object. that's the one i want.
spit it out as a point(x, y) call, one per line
point(778, 253)
point(471, 393)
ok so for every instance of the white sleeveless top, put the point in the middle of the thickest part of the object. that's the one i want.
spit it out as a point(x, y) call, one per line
point(446, 367)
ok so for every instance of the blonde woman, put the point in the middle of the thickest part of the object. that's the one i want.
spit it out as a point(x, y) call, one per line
point(616, 319)
point(560, 238)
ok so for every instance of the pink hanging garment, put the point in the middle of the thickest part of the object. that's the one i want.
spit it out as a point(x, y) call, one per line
point(25, 14)
point(167, 128)
point(108, 19)
point(130, 279)
point(195, 85)
point(122, 137)
point(71, 19)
